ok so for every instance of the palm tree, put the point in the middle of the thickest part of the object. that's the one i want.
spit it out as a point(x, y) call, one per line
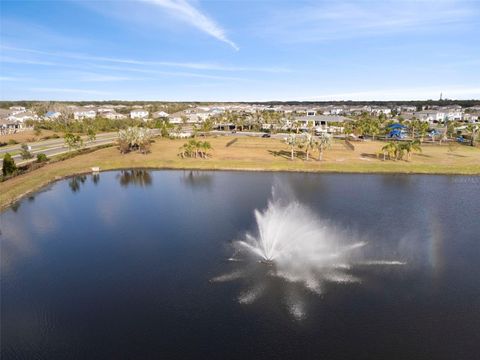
point(309, 144)
point(189, 149)
point(409, 147)
point(292, 141)
point(422, 129)
point(205, 146)
point(473, 129)
point(391, 149)
point(414, 124)
point(324, 142)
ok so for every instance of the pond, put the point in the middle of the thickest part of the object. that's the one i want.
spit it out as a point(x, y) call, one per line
point(140, 264)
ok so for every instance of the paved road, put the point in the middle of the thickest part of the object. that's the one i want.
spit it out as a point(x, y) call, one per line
point(46, 144)
point(55, 147)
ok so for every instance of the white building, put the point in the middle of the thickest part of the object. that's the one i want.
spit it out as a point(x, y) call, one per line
point(384, 111)
point(160, 114)
point(22, 116)
point(52, 115)
point(139, 114)
point(112, 115)
point(84, 114)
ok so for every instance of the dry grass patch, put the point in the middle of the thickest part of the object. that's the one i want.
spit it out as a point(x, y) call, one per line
point(249, 153)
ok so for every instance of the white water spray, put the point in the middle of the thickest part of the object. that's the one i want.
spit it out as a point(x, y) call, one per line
point(300, 248)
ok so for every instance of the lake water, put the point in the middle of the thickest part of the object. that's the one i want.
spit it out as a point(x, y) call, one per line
point(142, 265)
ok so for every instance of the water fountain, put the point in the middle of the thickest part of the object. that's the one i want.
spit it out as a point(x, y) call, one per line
point(293, 243)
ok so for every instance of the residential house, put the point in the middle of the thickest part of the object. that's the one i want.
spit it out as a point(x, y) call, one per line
point(139, 114)
point(112, 115)
point(22, 116)
point(160, 114)
point(84, 114)
point(10, 127)
point(52, 115)
point(321, 123)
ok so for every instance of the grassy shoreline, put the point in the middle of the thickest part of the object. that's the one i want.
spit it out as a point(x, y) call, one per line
point(247, 154)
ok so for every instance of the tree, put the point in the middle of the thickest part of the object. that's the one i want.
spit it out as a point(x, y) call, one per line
point(292, 141)
point(473, 130)
point(205, 147)
point(194, 148)
point(25, 152)
point(391, 149)
point(324, 142)
point(422, 129)
point(187, 150)
point(409, 147)
point(414, 125)
point(165, 127)
point(9, 166)
point(41, 158)
point(206, 126)
point(134, 138)
point(73, 141)
point(92, 136)
point(348, 128)
point(309, 144)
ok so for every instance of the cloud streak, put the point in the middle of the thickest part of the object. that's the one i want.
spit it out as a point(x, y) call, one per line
point(186, 12)
point(327, 21)
point(187, 65)
point(68, 91)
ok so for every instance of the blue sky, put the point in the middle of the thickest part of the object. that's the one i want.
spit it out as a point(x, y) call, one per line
point(183, 50)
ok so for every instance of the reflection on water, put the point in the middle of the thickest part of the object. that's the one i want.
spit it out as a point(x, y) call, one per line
point(76, 182)
point(15, 206)
point(197, 178)
point(95, 178)
point(137, 177)
point(115, 271)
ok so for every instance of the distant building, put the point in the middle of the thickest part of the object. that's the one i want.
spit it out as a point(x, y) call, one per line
point(22, 116)
point(321, 123)
point(17, 109)
point(139, 114)
point(112, 115)
point(160, 114)
point(52, 115)
point(10, 127)
point(84, 114)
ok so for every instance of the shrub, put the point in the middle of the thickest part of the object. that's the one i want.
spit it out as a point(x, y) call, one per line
point(12, 142)
point(25, 153)
point(9, 166)
point(195, 149)
point(134, 138)
point(42, 158)
point(73, 141)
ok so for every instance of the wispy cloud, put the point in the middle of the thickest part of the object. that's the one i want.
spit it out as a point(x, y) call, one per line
point(325, 21)
point(16, 60)
point(171, 73)
point(102, 63)
point(186, 65)
point(68, 91)
point(186, 12)
point(13, 78)
point(94, 77)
